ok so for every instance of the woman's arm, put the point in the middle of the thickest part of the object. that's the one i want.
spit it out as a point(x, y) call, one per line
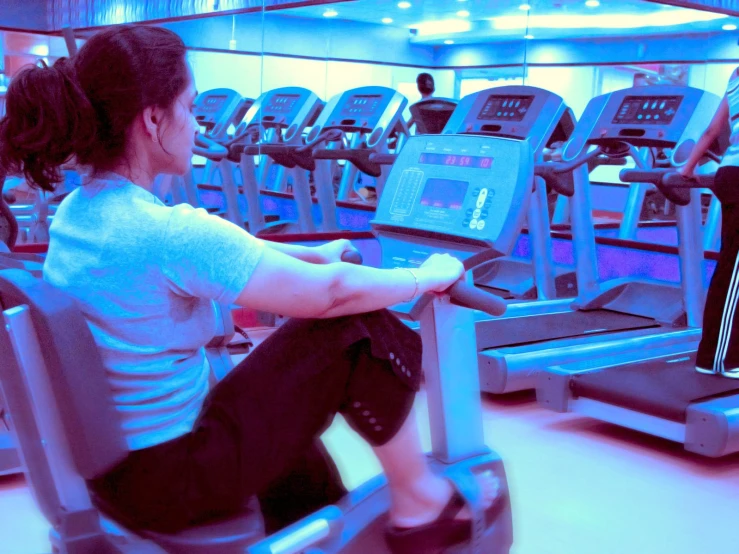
point(720, 119)
point(308, 254)
point(288, 286)
point(327, 253)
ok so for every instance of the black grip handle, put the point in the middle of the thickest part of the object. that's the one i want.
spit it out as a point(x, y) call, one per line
point(470, 297)
point(698, 181)
point(352, 257)
point(480, 258)
point(383, 159)
point(605, 160)
point(330, 154)
point(673, 185)
point(559, 181)
point(653, 176)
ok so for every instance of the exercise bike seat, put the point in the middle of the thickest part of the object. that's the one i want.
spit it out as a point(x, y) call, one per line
point(54, 384)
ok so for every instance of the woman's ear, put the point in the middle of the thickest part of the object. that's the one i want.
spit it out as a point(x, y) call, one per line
point(152, 118)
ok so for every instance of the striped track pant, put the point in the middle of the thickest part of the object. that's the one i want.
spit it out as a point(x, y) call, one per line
point(719, 346)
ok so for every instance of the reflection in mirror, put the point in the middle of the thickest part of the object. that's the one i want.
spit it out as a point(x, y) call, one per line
point(583, 49)
point(577, 49)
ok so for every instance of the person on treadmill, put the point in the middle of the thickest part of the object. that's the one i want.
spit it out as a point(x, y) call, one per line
point(145, 276)
point(718, 352)
point(426, 86)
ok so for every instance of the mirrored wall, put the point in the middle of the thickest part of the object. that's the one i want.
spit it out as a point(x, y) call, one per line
point(577, 49)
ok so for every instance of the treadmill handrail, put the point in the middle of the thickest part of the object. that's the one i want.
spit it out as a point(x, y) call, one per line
point(673, 185)
point(287, 155)
point(208, 148)
point(563, 167)
point(360, 157)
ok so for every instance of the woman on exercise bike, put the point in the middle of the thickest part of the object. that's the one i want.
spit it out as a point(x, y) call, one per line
point(718, 352)
point(145, 276)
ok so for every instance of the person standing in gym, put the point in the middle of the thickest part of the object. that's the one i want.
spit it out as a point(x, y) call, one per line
point(718, 352)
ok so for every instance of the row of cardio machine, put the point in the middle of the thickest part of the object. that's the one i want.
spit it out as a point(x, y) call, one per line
point(613, 324)
point(623, 350)
point(467, 193)
point(607, 323)
point(299, 141)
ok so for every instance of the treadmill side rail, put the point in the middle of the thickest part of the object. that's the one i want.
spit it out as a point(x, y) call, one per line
point(553, 389)
point(630, 419)
point(712, 427)
point(510, 369)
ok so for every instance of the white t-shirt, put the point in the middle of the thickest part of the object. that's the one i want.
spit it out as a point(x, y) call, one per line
point(731, 156)
point(145, 276)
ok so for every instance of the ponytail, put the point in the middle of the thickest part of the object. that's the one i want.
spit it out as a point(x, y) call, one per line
point(48, 120)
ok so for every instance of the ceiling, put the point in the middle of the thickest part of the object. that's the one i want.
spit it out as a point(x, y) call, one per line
point(438, 21)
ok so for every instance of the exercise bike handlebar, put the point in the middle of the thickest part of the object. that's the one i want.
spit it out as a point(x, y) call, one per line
point(460, 292)
point(208, 148)
point(383, 159)
point(328, 521)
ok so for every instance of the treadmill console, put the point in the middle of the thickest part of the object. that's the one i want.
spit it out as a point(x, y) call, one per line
point(373, 110)
point(363, 105)
point(646, 110)
point(519, 112)
point(217, 109)
point(653, 116)
point(505, 108)
point(291, 109)
point(281, 103)
point(462, 190)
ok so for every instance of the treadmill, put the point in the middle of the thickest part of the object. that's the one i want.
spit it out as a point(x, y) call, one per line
point(658, 394)
point(358, 123)
point(542, 118)
point(371, 161)
point(273, 129)
point(431, 115)
point(623, 316)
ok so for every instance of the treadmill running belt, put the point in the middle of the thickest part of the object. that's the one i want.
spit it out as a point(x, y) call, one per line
point(653, 387)
point(495, 333)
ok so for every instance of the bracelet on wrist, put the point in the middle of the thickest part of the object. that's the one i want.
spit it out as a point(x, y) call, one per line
point(415, 279)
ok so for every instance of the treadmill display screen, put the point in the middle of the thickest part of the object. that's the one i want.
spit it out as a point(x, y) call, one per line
point(444, 193)
point(282, 103)
point(479, 162)
point(362, 104)
point(647, 110)
point(212, 104)
point(505, 108)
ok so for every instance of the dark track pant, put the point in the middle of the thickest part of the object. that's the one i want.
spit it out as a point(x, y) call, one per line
point(257, 433)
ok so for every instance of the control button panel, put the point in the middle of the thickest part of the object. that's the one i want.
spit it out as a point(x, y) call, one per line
point(407, 192)
point(647, 110)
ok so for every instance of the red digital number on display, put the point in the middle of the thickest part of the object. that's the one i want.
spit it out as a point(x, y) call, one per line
point(485, 163)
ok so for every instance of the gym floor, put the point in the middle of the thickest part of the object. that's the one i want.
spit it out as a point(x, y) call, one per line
point(578, 487)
